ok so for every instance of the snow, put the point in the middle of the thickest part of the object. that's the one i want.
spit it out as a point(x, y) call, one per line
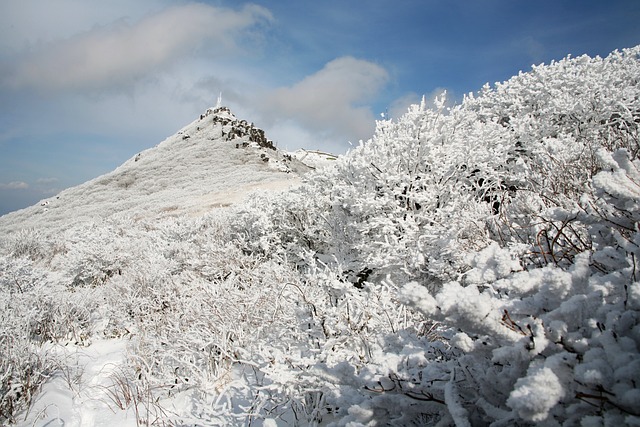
point(535, 395)
point(463, 342)
point(491, 264)
point(470, 266)
point(190, 175)
point(457, 411)
point(181, 175)
point(83, 394)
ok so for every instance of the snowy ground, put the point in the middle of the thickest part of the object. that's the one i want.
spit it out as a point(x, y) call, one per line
point(84, 392)
point(93, 391)
point(192, 173)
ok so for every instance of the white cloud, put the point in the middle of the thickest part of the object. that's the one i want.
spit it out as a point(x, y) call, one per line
point(29, 23)
point(121, 53)
point(331, 101)
point(46, 180)
point(14, 185)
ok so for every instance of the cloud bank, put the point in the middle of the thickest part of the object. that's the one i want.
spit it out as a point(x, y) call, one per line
point(14, 185)
point(121, 53)
point(332, 98)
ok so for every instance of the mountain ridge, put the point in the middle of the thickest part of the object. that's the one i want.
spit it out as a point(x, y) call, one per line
point(212, 162)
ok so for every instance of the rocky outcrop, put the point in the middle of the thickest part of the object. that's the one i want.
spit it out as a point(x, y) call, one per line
point(233, 129)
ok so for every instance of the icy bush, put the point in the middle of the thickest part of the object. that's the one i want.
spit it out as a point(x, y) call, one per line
point(512, 219)
point(25, 323)
point(558, 343)
point(27, 243)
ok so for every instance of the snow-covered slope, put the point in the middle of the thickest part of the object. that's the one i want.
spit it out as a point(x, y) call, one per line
point(214, 161)
point(470, 267)
point(188, 179)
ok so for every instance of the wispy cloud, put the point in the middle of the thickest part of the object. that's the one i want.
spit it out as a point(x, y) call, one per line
point(332, 99)
point(44, 181)
point(14, 185)
point(121, 53)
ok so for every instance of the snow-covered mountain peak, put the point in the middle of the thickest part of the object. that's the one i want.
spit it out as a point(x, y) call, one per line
point(225, 125)
point(213, 162)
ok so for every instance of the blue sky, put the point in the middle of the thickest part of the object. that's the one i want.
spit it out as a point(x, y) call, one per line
point(85, 85)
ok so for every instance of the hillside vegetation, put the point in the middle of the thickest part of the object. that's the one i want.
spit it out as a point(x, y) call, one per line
point(476, 265)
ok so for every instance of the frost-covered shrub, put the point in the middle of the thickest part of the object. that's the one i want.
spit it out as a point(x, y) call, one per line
point(552, 343)
point(336, 332)
point(593, 101)
point(99, 251)
point(23, 370)
point(27, 243)
point(285, 225)
point(25, 323)
point(404, 193)
point(505, 221)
